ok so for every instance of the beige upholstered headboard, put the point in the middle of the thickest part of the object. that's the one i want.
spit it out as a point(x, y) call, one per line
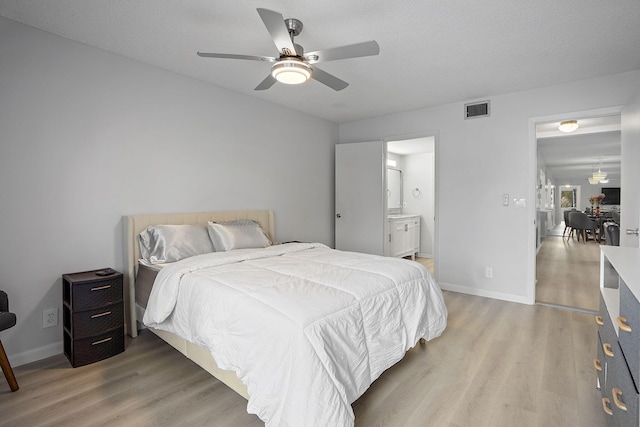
point(134, 224)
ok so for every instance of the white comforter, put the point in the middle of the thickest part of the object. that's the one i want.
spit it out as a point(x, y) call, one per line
point(306, 328)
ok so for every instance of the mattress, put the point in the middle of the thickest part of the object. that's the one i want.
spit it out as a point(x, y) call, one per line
point(144, 282)
point(304, 327)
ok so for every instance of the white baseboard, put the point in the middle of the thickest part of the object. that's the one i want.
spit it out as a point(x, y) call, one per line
point(36, 354)
point(484, 293)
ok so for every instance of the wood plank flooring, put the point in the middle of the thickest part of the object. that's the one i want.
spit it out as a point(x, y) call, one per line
point(497, 364)
point(568, 273)
point(427, 262)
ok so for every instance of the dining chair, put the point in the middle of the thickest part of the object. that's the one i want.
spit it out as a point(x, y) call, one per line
point(7, 320)
point(567, 223)
point(612, 233)
point(616, 217)
point(581, 222)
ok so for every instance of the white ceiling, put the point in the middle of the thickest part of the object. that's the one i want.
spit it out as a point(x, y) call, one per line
point(407, 147)
point(571, 158)
point(432, 52)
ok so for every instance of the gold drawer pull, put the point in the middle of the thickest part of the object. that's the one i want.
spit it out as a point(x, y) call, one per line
point(622, 324)
point(99, 288)
point(597, 365)
point(616, 399)
point(101, 341)
point(106, 313)
point(605, 405)
point(607, 349)
point(599, 320)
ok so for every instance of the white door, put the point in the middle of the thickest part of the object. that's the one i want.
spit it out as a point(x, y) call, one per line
point(630, 179)
point(360, 209)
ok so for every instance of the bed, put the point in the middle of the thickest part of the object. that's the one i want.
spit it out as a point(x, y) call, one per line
point(295, 328)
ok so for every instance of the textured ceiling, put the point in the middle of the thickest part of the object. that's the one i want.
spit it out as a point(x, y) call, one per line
point(432, 52)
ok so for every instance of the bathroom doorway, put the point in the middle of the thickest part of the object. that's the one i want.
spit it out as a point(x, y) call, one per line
point(411, 166)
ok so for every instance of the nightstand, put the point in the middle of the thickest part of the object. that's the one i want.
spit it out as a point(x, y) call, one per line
point(92, 316)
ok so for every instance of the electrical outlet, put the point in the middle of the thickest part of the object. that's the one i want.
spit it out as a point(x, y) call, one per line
point(488, 272)
point(50, 318)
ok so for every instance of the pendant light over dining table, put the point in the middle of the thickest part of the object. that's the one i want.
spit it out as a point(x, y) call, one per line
point(599, 176)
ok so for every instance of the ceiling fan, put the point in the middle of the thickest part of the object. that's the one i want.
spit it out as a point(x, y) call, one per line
point(293, 66)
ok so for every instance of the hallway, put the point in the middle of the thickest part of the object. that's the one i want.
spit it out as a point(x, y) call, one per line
point(568, 272)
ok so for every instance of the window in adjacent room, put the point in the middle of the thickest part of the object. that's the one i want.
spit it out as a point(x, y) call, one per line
point(568, 198)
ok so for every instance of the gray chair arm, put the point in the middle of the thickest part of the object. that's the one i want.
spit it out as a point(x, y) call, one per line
point(4, 301)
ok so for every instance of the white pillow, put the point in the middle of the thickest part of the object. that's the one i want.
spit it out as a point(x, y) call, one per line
point(170, 243)
point(239, 234)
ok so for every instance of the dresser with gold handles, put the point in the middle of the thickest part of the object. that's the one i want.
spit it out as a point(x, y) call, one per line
point(617, 361)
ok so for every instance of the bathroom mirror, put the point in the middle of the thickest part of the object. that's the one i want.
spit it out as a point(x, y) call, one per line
point(394, 189)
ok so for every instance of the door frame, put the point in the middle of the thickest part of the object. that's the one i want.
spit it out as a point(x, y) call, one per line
point(530, 295)
point(436, 186)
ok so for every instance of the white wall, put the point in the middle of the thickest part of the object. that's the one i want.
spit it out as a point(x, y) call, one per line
point(88, 136)
point(477, 162)
point(418, 172)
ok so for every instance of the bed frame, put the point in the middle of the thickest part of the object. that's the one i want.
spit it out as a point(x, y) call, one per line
point(132, 226)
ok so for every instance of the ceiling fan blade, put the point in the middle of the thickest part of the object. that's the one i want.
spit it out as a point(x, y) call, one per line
point(233, 56)
point(356, 50)
point(328, 79)
point(266, 83)
point(274, 22)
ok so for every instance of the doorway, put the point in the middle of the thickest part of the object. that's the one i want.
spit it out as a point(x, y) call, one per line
point(414, 160)
point(567, 270)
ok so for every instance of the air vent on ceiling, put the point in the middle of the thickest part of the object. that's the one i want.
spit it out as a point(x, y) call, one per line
point(476, 109)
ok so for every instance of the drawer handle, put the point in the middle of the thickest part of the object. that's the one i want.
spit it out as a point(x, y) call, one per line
point(616, 399)
point(102, 341)
point(99, 288)
point(597, 365)
point(606, 405)
point(599, 320)
point(622, 324)
point(607, 349)
point(106, 313)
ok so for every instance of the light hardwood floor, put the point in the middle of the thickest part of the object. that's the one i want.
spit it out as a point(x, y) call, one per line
point(427, 262)
point(568, 273)
point(497, 364)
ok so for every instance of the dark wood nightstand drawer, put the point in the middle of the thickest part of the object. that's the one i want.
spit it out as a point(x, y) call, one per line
point(88, 323)
point(96, 293)
point(92, 349)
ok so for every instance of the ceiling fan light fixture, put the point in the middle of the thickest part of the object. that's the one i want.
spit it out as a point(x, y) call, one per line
point(593, 181)
point(291, 71)
point(568, 126)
